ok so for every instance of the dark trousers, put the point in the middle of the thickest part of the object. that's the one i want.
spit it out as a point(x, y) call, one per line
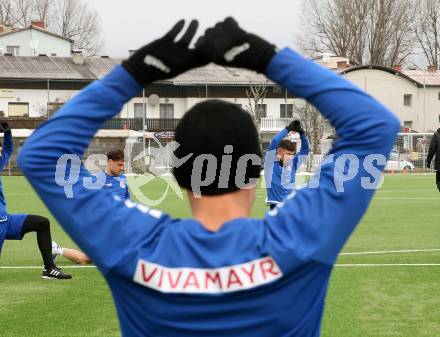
point(437, 179)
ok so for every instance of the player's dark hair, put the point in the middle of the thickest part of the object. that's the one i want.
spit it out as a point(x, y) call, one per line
point(206, 129)
point(287, 145)
point(115, 155)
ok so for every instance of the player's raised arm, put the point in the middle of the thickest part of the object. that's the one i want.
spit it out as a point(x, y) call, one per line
point(304, 151)
point(314, 223)
point(305, 146)
point(319, 220)
point(104, 227)
point(8, 146)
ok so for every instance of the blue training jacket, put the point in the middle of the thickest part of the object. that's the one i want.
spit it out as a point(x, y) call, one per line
point(253, 277)
point(117, 185)
point(280, 181)
point(8, 148)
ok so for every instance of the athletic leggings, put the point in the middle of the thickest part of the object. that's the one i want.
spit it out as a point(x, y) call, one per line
point(41, 225)
point(437, 178)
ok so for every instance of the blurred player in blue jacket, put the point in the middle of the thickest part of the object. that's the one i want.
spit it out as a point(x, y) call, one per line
point(16, 226)
point(220, 272)
point(282, 161)
point(116, 183)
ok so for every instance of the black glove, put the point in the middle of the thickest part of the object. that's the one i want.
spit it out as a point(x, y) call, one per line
point(295, 126)
point(229, 45)
point(164, 58)
point(4, 127)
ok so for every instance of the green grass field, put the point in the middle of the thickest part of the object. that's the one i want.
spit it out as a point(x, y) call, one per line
point(382, 294)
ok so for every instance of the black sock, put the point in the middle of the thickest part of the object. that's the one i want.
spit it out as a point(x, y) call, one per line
point(41, 225)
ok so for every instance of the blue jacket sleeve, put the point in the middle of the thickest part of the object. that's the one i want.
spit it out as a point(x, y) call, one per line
point(314, 223)
point(108, 229)
point(8, 148)
point(301, 156)
point(305, 147)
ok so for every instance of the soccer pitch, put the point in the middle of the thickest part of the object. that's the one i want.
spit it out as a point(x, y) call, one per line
point(386, 282)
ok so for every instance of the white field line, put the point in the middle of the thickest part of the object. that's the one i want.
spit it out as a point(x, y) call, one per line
point(404, 190)
point(386, 198)
point(40, 267)
point(337, 265)
point(393, 251)
point(388, 265)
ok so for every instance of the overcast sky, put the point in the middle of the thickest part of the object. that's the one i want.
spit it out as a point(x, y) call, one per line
point(128, 24)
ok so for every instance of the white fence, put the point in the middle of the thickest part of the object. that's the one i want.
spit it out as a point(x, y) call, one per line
point(408, 155)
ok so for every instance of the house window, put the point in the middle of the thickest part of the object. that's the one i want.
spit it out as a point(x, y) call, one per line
point(407, 99)
point(53, 107)
point(286, 110)
point(14, 50)
point(166, 110)
point(139, 110)
point(18, 109)
point(408, 124)
point(262, 108)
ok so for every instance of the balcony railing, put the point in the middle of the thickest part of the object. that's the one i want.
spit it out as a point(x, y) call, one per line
point(123, 123)
point(152, 124)
point(274, 124)
point(161, 124)
point(24, 122)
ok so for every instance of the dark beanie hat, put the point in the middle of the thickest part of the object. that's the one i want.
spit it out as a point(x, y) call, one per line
point(227, 135)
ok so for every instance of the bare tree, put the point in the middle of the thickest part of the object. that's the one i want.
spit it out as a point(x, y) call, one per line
point(43, 11)
point(313, 124)
point(426, 26)
point(256, 95)
point(73, 19)
point(365, 31)
point(79, 22)
point(7, 15)
point(23, 12)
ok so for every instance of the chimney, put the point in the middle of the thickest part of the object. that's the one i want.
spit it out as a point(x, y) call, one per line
point(39, 24)
point(77, 57)
point(432, 68)
point(397, 67)
point(2, 28)
point(342, 64)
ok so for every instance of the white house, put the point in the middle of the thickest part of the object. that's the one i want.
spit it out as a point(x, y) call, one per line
point(33, 40)
point(413, 95)
point(33, 87)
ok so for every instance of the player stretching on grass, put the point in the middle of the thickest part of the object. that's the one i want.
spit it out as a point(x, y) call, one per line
point(116, 182)
point(219, 273)
point(280, 170)
point(15, 226)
